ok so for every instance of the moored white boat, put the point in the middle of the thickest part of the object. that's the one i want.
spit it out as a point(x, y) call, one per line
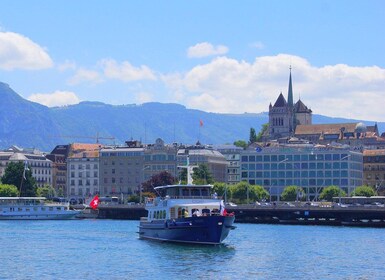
point(34, 208)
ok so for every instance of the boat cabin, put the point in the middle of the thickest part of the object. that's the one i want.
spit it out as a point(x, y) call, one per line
point(184, 191)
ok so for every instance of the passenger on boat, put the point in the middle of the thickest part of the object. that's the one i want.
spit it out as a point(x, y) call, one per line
point(184, 213)
point(197, 213)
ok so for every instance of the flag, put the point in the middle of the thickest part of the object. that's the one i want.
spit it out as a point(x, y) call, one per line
point(224, 213)
point(94, 202)
point(25, 169)
point(200, 123)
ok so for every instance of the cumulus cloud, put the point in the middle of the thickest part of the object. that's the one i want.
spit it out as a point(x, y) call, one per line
point(206, 49)
point(227, 85)
point(126, 72)
point(20, 52)
point(85, 75)
point(258, 45)
point(57, 98)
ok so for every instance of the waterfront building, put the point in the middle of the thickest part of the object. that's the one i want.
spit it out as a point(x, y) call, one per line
point(83, 171)
point(121, 169)
point(58, 156)
point(374, 169)
point(159, 157)
point(198, 154)
point(40, 166)
point(311, 167)
point(232, 154)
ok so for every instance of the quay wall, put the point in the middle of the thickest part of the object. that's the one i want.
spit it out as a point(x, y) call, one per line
point(308, 215)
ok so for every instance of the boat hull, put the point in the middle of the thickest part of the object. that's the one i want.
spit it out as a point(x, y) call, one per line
point(43, 216)
point(196, 230)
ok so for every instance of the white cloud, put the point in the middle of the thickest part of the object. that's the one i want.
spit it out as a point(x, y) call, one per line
point(19, 52)
point(125, 71)
point(227, 85)
point(206, 49)
point(57, 98)
point(85, 75)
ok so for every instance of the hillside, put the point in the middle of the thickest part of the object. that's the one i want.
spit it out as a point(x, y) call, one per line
point(28, 124)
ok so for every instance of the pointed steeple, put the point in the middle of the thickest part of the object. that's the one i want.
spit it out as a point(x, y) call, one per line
point(290, 92)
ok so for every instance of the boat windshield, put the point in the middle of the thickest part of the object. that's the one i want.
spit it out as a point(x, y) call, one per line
point(186, 191)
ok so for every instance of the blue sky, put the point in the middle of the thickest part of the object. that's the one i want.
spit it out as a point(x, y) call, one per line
point(216, 56)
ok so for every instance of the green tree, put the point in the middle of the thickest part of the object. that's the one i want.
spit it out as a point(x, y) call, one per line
point(8, 190)
point(46, 191)
point(260, 192)
point(241, 144)
point(13, 175)
point(332, 191)
point(264, 128)
point(202, 175)
point(239, 192)
point(290, 193)
point(364, 191)
point(253, 136)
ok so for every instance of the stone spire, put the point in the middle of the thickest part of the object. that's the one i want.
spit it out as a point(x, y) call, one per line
point(290, 92)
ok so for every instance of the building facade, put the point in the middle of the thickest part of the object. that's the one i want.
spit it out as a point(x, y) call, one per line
point(232, 154)
point(159, 157)
point(215, 161)
point(121, 169)
point(374, 169)
point(309, 167)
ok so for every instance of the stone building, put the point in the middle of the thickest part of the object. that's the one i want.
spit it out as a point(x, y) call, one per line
point(284, 115)
point(374, 169)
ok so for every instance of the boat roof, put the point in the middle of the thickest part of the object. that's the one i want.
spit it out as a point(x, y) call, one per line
point(22, 198)
point(183, 186)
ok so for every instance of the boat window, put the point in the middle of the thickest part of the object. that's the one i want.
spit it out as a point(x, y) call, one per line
point(205, 192)
point(195, 192)
point(58, 208)
point(172, 213)
point(27, 209)
point(50, 208)
point(205, 212)
point(164, 214)
point(35, 209)
point(185, 192)
point(215, 212)
point(19, 209)
point(42, 208)
point(153, 215)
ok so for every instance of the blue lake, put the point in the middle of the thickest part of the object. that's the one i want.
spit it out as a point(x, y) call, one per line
point(110, 249)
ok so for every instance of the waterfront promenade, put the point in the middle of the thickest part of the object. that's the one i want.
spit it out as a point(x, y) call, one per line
point(368, 216)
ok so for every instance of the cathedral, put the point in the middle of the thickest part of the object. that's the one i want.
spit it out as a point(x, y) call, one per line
point(284, 116)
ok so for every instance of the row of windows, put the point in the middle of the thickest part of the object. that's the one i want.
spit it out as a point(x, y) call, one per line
point(80, 174)
point(38, 171)
point(295, 165)
point(121, 154)
point(300, 182)
point(160, 157)
point(86, 182)
point(304, 157)
point(80, 166)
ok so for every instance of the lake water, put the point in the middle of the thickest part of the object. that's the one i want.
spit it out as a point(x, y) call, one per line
point(110, 249)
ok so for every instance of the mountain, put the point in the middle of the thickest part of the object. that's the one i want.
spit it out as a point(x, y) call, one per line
point(31, 125)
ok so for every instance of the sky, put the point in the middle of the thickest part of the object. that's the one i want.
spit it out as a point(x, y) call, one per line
point(215, 56)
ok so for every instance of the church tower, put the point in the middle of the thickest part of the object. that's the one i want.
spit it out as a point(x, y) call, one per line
point(282, 116)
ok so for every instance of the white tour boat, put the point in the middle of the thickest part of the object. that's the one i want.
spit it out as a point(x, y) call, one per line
point(34, 208)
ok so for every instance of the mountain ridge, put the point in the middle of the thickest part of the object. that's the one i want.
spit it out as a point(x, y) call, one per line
point(29, 124)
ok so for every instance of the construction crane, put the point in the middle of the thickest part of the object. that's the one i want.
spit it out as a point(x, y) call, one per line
point(97, 137)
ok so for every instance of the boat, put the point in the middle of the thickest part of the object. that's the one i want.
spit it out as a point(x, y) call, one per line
point(186, 214)
point(34, 208)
